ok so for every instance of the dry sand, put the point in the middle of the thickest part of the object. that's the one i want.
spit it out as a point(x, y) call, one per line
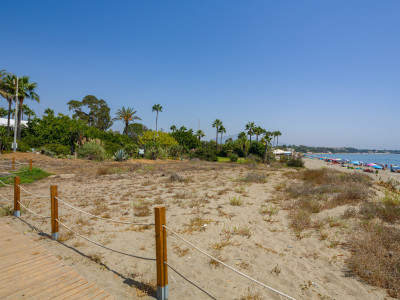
point(306, 268)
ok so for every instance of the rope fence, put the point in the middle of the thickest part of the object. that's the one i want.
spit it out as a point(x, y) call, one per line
point(161, 230)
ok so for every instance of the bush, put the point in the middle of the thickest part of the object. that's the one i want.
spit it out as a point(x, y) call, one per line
point(186, 139)
point(257, 148)
point(233, 157)
point(91, 151)
point(162, 138)
point(175, 151)
point(239, 152)
point(110, 147)
point(131, 149)
point(204, 154)
point(296, 162)
point(57, 149)
point(23, 147)
point(121, 155)
point(153, 150)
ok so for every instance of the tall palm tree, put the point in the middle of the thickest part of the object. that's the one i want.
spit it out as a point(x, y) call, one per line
point(183, 128)
point(126, 115)
point(3, 112)
point(26, 90)
point(267, 140)
point(217, 124)
point(258, 131)
point(157, 108)
point(29, 112)
point(200, 134)
point(173, 128)
point(221, 131)
point(7, 89)
point(3, 90)
point(250, 129)
point(278, 134)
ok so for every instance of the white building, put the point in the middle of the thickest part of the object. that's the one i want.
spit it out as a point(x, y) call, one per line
point(3, 122)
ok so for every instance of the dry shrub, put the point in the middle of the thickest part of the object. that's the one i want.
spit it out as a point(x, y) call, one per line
point(300, 220)
point(351, 194)
point(177, 177)
point(236, 201)
point(310, 205)
point(254, 177)
point(141, 208)
point(375, 252)
point(196, 224)
point(388, 209)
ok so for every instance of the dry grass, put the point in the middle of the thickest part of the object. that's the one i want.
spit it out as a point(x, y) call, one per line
point(255, 177)
point(388, 209)
point(300, 220)
point(196, 224)
point(269, 210)
point(236, 201)
point(375, 252)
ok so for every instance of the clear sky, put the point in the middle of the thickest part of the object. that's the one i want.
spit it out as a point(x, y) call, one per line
point(324, 73)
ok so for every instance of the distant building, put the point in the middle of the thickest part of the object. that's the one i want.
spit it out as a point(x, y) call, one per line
point(3, 122)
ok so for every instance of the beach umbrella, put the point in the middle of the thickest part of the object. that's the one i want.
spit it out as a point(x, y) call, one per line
point(377, 167)
point(371, 165)
point(355, 162)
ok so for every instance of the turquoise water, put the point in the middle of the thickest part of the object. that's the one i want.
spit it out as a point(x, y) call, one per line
point(389, 159)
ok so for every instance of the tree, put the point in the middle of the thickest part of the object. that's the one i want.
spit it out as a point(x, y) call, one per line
point(3, 136)
point(98, 114)
point(221, 131)
point(173, 128)
point(278, 134)
point(266, 140)
point(200, 134)
point(250, 129)
point(258, 131)
point(186, 139)
point(4, 92)
point(183, 128)
point(126, 115)
point(157, 108)
point(7, 89)
point(28, 112)
point(26, 90)
point(3, 112)
point(217, 124)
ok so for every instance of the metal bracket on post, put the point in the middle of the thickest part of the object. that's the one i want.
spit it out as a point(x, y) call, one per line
point(17, 197)
point(161, 253)
point(54, 212)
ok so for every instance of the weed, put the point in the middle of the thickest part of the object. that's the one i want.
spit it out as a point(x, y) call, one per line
point(6, 210)
point(236, 201)
point(242, 230)
point(254, 177)
point(276, 270)
point(141, 209)
point(268, 210)
point(196, 224)
point(300, 220)
point(240, 190)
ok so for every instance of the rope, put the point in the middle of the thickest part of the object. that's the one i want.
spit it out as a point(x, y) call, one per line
point(191, 282)
point(5, 198)
point(6, 184)
point(229, 267)
point(31, 211)
point(21, 163)
point(32, 193)
point(101, 218)
point(102, 246)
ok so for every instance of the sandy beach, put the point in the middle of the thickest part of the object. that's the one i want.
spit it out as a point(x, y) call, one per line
point(252, 236)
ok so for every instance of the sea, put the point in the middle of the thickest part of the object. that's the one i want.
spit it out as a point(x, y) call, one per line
point(389, 159)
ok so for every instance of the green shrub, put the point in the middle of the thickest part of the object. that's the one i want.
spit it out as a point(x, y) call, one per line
point(233, 157)
point(204, 154)
point(153, 150)
point(131, 149)
point(176, 151)
point(110, 147)
point(23, 147)
point(296, 162)
point(239, 152)
point(257, 148)
point(91, 151)
point(121, 155)
point(57, 149)
point(186, 139)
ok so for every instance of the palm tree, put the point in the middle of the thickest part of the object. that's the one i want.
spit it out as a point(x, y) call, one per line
point(258, 131)
point(221, 130)
point(250, 129)
point(267, 140)
point(183, 128)
point(217, 124)
point(7, 89)
point(29, 112)
point(3, 89)
point(126, 115)
point(200, 134)
point(3, 112)
point(157, 108)
point(173, 128)
point(278, 134)
point(26, 90)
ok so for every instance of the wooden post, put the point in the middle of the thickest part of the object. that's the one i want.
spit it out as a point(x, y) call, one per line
point(17, 197)
point(54, 212)
point(30, 165)
point(13, 163)
point(161, 253)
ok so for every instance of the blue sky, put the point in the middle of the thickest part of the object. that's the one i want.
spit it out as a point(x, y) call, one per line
point(324, 73)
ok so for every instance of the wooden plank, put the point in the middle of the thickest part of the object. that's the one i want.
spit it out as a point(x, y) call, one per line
point(27, 270)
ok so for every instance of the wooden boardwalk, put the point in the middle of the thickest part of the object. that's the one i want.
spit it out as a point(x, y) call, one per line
point(28, 271)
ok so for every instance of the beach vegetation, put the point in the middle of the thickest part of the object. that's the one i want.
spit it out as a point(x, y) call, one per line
point(6, 210)
point(296, 162)
point(236, 201)
point(126, 115)
point(26, 176)
point(163, 139)
point(121, 155)
point(91, 151)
